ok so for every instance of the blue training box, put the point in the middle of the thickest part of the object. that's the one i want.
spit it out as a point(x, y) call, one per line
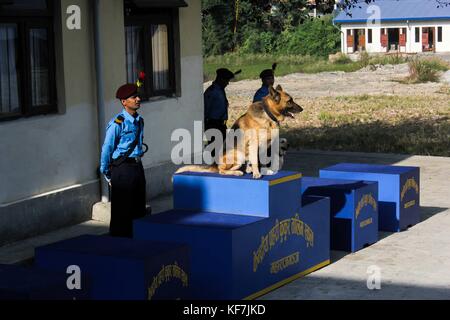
point(264, 197)
point(20, 283)
point(353, 209)
point(398, 191)
point(122, 268)
point(244, 257)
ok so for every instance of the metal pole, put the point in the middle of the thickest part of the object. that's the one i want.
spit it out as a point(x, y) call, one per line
point(100, 92)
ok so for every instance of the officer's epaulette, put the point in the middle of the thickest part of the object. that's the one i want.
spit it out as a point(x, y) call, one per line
point(119, 119)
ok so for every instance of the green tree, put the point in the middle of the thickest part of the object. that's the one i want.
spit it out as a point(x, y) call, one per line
point(317, 37)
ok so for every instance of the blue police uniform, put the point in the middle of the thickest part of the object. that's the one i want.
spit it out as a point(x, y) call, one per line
point(124, 167)
point(216, 103)
point(261, 93)
point(120, 134)
point(216, 110)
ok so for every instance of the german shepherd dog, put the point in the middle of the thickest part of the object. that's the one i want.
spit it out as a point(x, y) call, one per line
point(274, 167)
point(257, 125)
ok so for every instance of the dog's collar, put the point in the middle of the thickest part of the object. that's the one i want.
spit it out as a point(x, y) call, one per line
point(270, 114)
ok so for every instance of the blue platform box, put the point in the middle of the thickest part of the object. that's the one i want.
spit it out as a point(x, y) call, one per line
point(354, 210)
point(209, 192)
point(244, 257)
point(122, 268)
point(23, 283)
point(398, 191)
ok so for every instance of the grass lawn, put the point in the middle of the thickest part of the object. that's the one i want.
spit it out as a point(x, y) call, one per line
point(371, 123)
point(252, 65)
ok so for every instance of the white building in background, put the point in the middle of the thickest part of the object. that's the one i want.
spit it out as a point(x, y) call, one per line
point(57, 94)
point(409, 26)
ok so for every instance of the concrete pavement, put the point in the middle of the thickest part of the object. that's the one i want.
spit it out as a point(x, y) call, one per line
point(414, 264)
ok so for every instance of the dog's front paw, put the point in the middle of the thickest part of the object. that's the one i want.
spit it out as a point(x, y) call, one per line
point(249, 169)
point(257, 175)
point(267, 172)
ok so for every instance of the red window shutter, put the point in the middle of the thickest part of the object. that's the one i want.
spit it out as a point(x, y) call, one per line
point(425, 39)
point(384, 40)
point(349, 41)
point(362, 40)
point(403, 40)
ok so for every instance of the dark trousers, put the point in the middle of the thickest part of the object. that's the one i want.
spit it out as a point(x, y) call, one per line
point(127, 198)
point(216, 124)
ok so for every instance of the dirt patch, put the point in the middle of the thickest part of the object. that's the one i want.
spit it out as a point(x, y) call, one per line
point(367, 111)
point(384, 81)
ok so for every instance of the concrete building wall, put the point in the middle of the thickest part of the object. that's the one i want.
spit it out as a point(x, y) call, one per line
point(48, 166)
point(411, 45)
point(48, 162)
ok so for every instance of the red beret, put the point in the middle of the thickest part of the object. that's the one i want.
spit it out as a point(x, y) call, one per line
point(126, 91)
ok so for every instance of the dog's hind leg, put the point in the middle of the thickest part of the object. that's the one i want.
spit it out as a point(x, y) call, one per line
point(233, 171)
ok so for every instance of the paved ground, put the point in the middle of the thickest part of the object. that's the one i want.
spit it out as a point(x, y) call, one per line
point(414, 264)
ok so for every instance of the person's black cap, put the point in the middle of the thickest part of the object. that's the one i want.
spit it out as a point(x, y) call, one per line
point(126, 91)
point(268, 72)
point(224, 73)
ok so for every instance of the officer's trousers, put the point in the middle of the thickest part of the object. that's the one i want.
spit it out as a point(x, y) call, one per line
point(127, 198)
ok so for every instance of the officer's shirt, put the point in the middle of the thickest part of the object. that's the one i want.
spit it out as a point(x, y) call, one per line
point(118, 139)
point(216, 103)
point(261, 93)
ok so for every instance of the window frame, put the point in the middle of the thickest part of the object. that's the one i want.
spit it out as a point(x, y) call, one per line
point(25, 21)
point(145, 19)
point(417, 35)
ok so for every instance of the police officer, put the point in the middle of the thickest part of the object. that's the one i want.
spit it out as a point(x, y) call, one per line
point(216, 102)
point(268, 79)
point(121, 163)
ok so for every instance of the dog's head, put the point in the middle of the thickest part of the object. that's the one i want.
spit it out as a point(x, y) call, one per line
point(282, 103)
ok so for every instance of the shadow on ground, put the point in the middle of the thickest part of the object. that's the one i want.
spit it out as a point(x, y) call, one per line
point(426, 213)
point(316, 287)
point(413, 136)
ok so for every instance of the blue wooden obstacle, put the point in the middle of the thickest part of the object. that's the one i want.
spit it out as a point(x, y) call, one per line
point(398, 191)
point(353, 209)
point(237, 255)
point(122, 269)
point(20, 283)
point(236, 195)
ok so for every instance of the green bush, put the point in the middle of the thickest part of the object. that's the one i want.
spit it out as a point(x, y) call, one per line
point(258, 42)
point(384, 59)
point(364, 59)
point(342, 59)
point(316, 37)
point(422, 71)
point(436, 64)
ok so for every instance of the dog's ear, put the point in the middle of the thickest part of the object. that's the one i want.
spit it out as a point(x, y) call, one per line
point(279, 88)
point(275, 94)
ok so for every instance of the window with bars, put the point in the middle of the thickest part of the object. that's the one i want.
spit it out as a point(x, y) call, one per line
point(439, 34)
point(150, 47)
point(27, 79)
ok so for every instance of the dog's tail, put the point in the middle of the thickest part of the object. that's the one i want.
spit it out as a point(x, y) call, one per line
point(203, 169)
